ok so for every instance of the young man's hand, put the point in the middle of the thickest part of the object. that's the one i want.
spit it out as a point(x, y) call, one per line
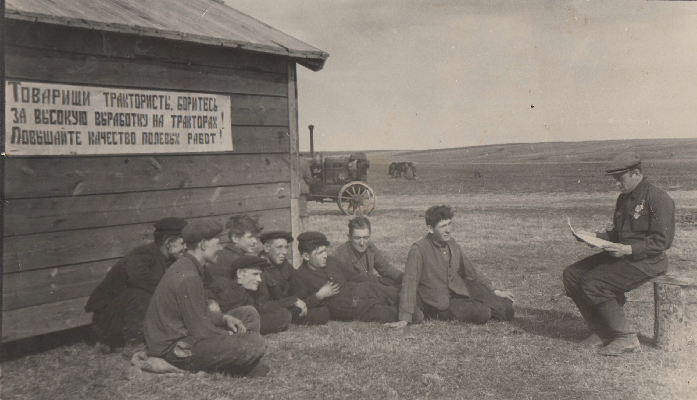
point(302, 306)
point(234, 324)
point(328, 290)
point(505, 294)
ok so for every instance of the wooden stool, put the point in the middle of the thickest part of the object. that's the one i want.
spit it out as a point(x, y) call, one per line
point(674, 325)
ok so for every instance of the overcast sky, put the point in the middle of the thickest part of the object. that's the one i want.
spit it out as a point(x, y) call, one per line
point(431, 74)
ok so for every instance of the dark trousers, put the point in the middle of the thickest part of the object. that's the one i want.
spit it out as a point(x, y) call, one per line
point(249, 317)
point(595, 281)
point(314, 316)
point(122, 320)
point(235, 355)
point(601, 277)
point(461, 309)
point(480, 306)
point(275, 320)
point(501, 309)
point(370, 302)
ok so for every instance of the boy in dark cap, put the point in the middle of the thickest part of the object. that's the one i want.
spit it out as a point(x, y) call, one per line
point(643, 229)
point(119, 303)
point(179, 326)
point(320, 281)
point(275, 290)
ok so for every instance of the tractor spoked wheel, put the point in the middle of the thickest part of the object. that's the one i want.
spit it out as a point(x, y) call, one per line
point(357, 198)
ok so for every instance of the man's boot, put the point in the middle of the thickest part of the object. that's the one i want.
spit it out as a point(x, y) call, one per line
point(623, 340)
point(599, 335)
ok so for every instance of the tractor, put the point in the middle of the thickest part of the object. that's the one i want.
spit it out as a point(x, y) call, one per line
point(341, 179)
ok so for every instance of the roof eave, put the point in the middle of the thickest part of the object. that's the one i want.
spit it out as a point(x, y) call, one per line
point(313, 60)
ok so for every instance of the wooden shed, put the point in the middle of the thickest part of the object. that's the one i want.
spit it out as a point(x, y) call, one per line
point(123, 112)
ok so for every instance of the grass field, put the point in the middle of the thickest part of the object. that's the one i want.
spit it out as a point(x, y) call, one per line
point(512, 224)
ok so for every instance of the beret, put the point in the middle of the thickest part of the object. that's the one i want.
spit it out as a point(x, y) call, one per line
point(204, 229)
point(622, 163)
point(248, 262)
point(266, 236)
point(170, 226)
point(312, 238)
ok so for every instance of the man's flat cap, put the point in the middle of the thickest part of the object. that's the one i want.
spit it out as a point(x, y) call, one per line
point(623, 162)
point(313, 238)
point(245, 262)
point(203, 229)
point(170, 226)
point(266, 236)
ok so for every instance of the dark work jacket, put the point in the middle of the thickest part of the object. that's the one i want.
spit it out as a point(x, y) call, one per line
point(645, 220)
point(141, 268)
point(223, 265)
point(220, 284)
point(372, 261)
point(275, 290)
point(358, 294)
point(226, 292)
point(178, 309)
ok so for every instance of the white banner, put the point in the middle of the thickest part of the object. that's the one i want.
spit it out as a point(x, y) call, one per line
point(52, 119)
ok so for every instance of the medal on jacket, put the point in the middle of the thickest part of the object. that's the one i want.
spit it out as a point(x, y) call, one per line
point(639, 208)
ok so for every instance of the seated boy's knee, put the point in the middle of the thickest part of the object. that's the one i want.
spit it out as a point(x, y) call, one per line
point(481, 314)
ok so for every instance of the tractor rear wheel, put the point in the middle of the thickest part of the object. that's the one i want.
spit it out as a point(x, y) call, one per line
point(356, 198)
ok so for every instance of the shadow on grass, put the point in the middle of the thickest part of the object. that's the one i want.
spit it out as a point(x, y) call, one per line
point(42, 343)
point(558, 324)
point(551, 323)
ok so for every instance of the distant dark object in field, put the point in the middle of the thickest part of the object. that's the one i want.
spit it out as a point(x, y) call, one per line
point(686, 218)
point(477, 174)
point(402, 170)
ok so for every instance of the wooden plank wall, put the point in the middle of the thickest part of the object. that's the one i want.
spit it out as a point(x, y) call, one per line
point(68, 219)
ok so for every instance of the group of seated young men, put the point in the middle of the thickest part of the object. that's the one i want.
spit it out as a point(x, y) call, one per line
point(201, 306)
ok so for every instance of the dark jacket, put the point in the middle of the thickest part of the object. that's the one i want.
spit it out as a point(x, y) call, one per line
point(141, 268)
point(431, 277)
point(372, 261)
point(178, 309)
point(645, 220)
point(275, 290)
point(357, 296)
point(223, 265)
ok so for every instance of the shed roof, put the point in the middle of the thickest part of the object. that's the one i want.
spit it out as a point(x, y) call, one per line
point(201, 21)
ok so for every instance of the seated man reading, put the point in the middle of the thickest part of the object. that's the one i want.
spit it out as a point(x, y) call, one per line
point(275, 290)
point(320, 281)
point(441, 280)
point(361, 255)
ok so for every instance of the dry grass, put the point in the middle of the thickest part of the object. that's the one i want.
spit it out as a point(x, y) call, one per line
point(519, 240)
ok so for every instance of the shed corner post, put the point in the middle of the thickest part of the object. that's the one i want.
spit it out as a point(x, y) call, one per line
point(296, 227)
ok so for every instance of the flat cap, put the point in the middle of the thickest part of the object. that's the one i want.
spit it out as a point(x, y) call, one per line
point(170, 226)
point(312, 238)
point(266, 236)
point(622, 163)
point(245, 262)
point(203, 229)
